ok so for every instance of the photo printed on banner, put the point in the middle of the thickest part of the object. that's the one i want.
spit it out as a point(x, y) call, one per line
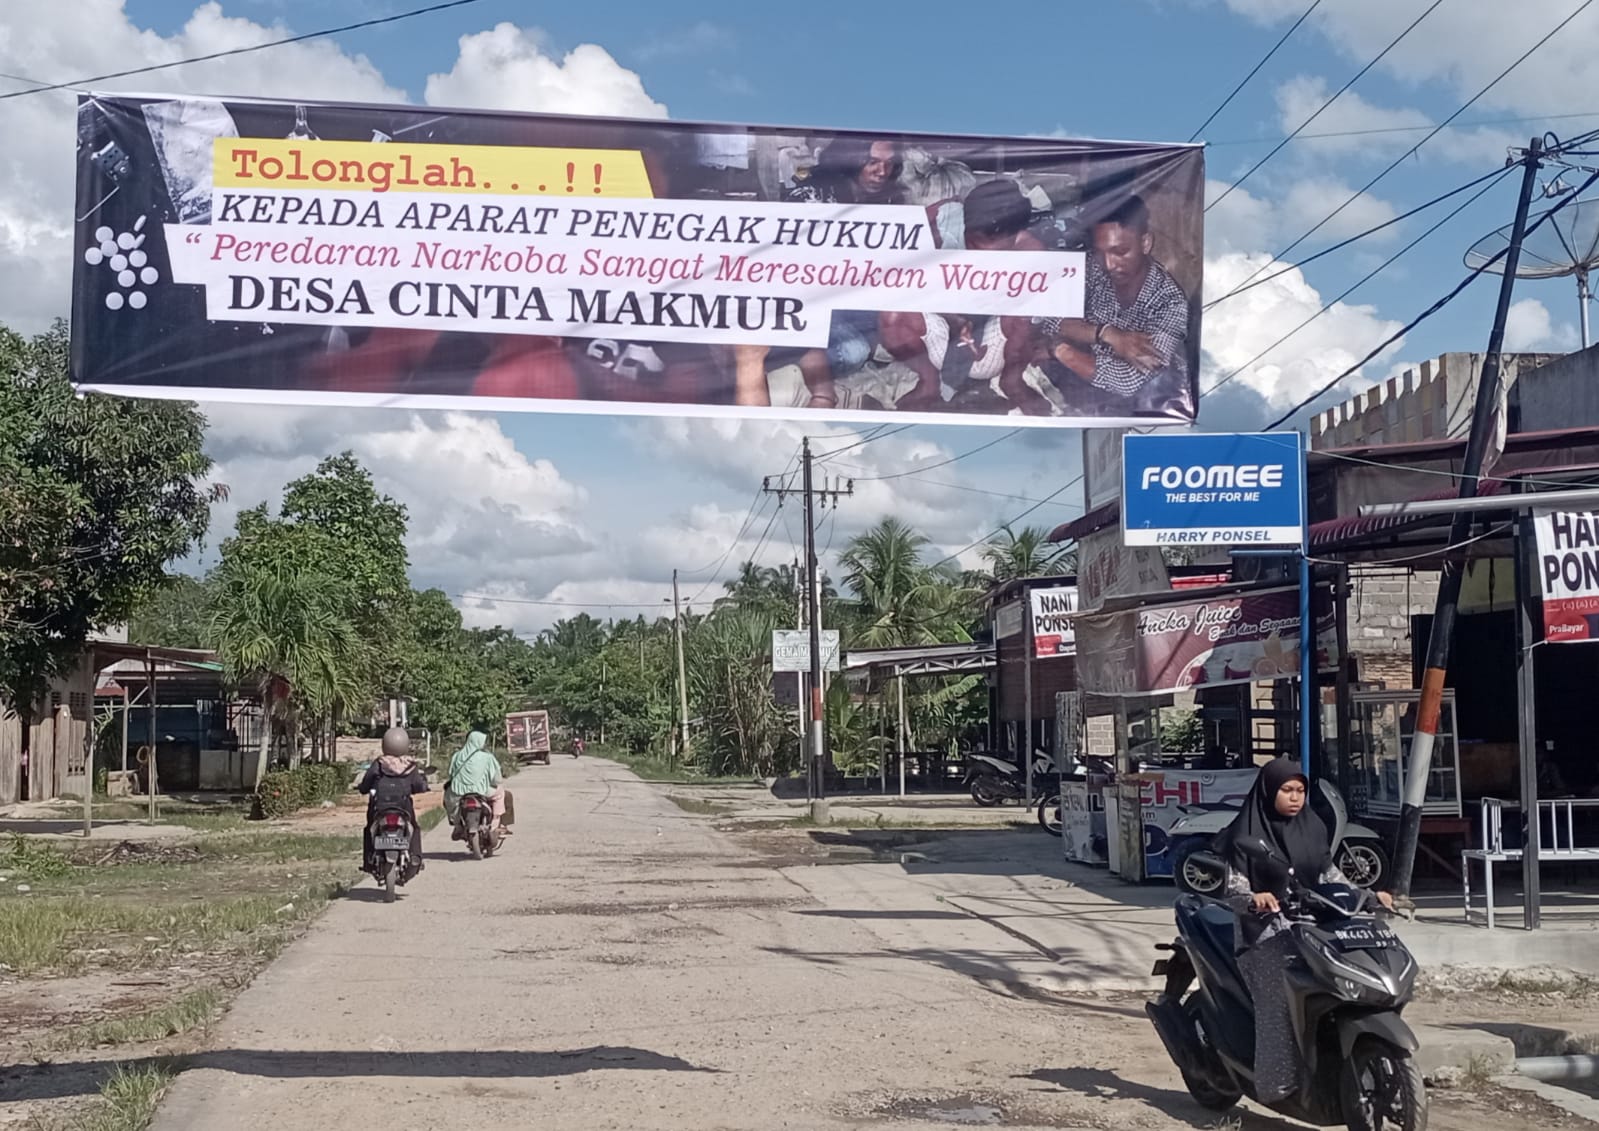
point(330, 253)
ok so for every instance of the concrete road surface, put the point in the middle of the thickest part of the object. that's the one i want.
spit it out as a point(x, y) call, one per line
point(624, 965)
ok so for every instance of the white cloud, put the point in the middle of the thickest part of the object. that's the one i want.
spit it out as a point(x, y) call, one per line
point(482, 514)
point(1303, 95)
point(1530, 327)
point(507, 68)
point(1244, 222)
point(1463, 45)
point(504, 67)
point(1244, 326)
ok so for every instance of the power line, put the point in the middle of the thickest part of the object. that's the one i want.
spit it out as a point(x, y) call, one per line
point(1000, 529)
point(1276, 149)
point(867, 440)
point(1390, 261)
point(1253, 282)
point(558, 604)
point(943, 463)
point(1403, 157)
point(1471, 277)
point(1225, 102)
point(1379, 130)
point(79, 84)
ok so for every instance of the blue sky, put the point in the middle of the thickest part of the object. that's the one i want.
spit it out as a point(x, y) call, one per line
point(628, 500)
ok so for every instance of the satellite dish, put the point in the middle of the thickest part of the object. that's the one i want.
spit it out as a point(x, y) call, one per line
point(1566, 244)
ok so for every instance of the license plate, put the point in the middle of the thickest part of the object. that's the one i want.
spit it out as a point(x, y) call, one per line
point(1365, 938)
point(391, 842)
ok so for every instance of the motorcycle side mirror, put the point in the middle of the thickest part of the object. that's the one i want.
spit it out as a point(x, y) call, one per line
point(1262, 854)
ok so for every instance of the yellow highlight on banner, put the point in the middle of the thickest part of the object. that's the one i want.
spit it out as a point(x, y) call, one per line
point(382, 167)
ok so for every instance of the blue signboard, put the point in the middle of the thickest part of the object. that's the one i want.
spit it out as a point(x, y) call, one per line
point(1216, 489)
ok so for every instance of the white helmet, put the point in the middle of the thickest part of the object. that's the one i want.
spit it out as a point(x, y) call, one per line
point(396, 743)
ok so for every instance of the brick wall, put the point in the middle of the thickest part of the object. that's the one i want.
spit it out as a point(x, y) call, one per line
point(1381, 603)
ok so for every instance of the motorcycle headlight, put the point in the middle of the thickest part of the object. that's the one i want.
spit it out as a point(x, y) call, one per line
point(1351, 980)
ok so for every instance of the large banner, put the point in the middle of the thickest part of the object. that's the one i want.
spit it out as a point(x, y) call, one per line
point(341, 254)
point(1243, 637)
point(1568, 570)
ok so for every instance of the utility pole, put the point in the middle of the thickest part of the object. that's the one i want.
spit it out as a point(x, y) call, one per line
point(603, 711)
point(1442, 637)
point(682, 668)
point(802, 600)
point(815, 775)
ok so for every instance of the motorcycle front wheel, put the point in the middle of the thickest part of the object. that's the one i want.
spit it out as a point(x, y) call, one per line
point(1365, 862)
point(1381, 1089)
point(1049, 814)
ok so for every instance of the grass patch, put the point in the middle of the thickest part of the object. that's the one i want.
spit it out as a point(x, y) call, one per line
point(27, 860)
point(281, 848)
point(56, 933)
point(427, 821)
point(187, 1012)
point(127, 1100)
point(653, 768)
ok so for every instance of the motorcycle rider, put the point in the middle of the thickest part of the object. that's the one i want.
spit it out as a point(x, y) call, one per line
point(389, 783)
point(1277, 815)
point(475, 769)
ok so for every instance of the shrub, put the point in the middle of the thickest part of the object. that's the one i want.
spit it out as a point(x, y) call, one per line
point(286, 791)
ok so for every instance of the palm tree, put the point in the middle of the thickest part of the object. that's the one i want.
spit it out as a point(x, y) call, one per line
point(1027, 553)
point(284, 629)
point(900, 600)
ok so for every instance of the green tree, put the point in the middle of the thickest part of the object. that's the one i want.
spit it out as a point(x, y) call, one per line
point(900, 600)
point(177, 613)
point(1026, 553)
point(97, 496)
point(282, 626)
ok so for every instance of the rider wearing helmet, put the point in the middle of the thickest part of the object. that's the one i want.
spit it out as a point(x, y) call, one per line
point(389, 784)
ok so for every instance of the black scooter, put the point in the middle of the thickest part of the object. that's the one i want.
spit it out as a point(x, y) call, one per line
point(1348, 981)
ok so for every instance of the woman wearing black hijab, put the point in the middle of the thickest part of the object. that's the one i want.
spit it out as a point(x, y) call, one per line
point(1277, 814)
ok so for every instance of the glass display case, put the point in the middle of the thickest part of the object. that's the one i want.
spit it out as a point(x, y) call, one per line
point(1382, 724)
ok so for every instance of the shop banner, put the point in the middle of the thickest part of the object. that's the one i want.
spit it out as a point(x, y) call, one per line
point(1223, 489)
point(1168, 796)
point(1108, 568)
point(1236, 638)
point(1568, 570)
point(328, 253)
point(1084, 835)
point(1052, 612)
point(791, 649)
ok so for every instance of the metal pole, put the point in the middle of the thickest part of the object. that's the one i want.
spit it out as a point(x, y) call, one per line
point(1528, 636)
point(1583, 295)
point(899, 741)
point(1341, 611)
point(150, 779)
point(882, 742)
point(682, 667)
point(813, 589)
point(1027, 694)
point(1307, 625)
point(1442, 636)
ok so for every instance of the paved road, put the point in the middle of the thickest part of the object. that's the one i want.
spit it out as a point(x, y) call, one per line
point(624, 965)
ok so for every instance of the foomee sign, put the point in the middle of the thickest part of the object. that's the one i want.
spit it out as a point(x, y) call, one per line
point(1226, 489)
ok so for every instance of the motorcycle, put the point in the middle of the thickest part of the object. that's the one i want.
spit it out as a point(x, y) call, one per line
point(1358, 852)
point(1049, 809)
point(391, 849)
point(993, 780)
point(476, 826)
point(1348, 983)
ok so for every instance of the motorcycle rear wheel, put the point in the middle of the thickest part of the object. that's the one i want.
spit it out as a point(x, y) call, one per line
point(984, 794)
point(1205, 1094)
point(391, 873)
point(1365, 863)
point(474, 842)
point(1381, 1089)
